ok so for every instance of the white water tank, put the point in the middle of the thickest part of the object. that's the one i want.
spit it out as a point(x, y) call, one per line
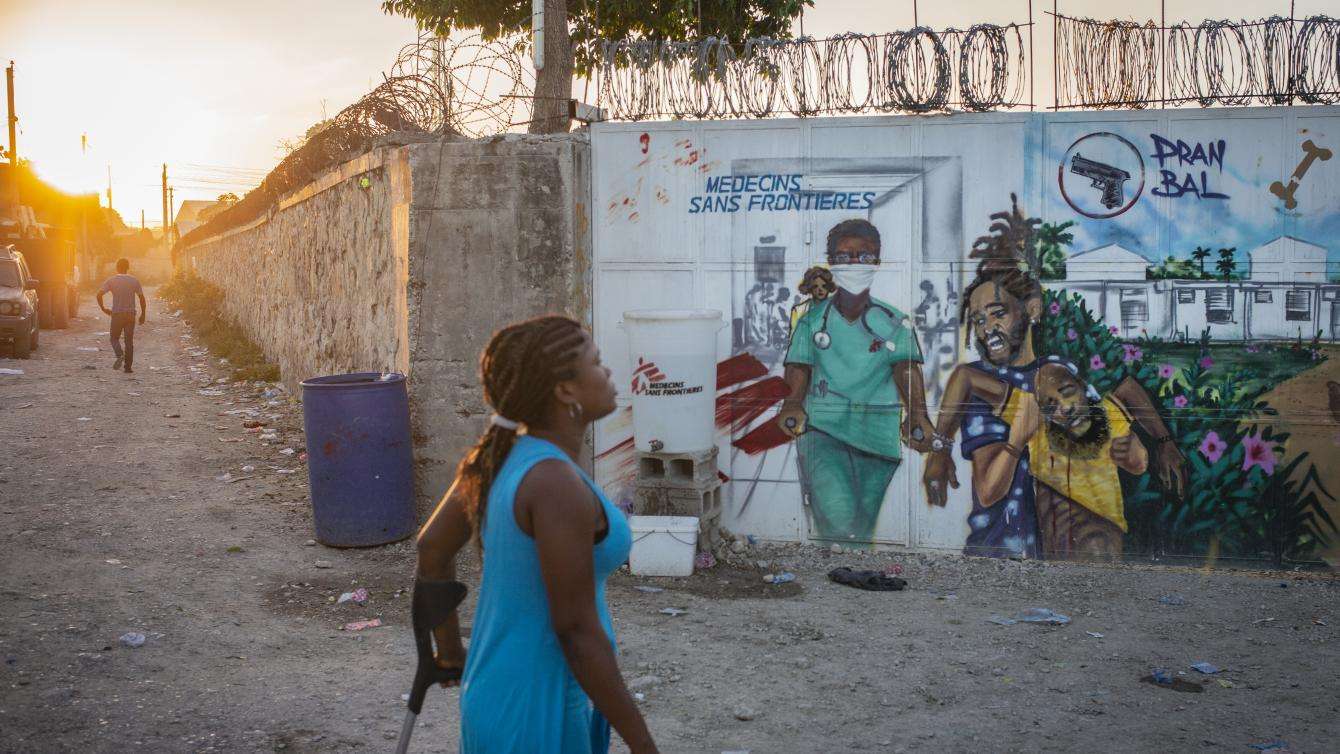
point(674, 384)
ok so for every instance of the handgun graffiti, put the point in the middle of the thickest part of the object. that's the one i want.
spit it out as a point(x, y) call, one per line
point(1101, 189)
point(1110, 181)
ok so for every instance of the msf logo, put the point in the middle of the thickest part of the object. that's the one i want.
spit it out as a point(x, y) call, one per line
point(645, 374)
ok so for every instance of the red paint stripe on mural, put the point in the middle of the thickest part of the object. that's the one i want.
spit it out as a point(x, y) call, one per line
point(739, 369)
point(748, 403)
point(765, 436)
point(622, 447)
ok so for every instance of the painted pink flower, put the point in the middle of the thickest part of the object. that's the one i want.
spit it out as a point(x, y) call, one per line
point(1130, 353)
point(1096, 362)
point(1180, 401)
point(1258, 453)
point(1165, 371)
point(1070, 334)
point(1205, 362)
point(1055, 308)
point(1212, 447)
point(1113, 330)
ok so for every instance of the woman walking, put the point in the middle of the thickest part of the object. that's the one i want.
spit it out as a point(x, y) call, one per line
point(542, 645)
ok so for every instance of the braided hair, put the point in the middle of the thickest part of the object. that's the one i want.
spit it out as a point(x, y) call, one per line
point(1008, 257)
point(519, 369)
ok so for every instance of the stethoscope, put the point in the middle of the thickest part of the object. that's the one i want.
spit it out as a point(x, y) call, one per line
point(822, 340)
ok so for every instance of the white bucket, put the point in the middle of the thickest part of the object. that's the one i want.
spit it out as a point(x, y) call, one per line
point(674, 384)
point(663, 545)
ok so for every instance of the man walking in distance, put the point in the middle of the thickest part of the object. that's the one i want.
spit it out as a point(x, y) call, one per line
point(124, 288)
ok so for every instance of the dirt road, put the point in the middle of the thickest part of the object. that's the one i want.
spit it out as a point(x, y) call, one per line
point(116, 516)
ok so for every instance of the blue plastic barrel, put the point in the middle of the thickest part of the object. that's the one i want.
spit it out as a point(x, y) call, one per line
point(360, 463)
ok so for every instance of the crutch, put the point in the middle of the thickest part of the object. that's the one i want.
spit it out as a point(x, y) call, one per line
point(430, 606)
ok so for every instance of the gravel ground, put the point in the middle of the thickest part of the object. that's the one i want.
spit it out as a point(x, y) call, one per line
point(116, 516)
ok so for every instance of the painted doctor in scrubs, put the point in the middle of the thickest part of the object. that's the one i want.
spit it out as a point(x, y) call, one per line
point(856, 392)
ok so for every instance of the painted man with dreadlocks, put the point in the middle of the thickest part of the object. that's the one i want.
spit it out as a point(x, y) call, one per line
point(1003, 309)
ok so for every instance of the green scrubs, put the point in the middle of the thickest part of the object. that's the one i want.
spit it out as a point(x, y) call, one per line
point(851, 446)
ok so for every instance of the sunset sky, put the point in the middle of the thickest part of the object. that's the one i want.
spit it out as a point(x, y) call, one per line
point(213, 88)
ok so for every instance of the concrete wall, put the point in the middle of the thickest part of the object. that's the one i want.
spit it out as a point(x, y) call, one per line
point(408, 259)
point(319, 284)
point(500, 231)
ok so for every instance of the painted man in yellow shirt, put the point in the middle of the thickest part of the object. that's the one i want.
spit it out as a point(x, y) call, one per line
point(1077, 441)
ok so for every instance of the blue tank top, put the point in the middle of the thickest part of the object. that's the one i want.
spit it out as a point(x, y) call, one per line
point(517, 692)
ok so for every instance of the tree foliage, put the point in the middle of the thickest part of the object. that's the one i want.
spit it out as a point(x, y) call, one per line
point(589, 21)
point(1200, 255)
point(1215, 413)
point(1053, 241)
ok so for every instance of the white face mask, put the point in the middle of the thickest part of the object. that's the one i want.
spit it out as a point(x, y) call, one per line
point(855, 278)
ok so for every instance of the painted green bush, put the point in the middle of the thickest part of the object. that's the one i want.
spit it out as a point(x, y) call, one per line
point(1242, 499)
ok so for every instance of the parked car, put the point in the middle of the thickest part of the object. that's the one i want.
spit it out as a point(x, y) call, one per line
point(52, 261)
point(18, 303)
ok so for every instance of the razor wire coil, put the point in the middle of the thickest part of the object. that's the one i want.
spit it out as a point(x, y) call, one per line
point(1272, 61)
point(467, 87)
point(918, 70)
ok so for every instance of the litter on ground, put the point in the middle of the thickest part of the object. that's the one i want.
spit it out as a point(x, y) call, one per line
point(359, 625)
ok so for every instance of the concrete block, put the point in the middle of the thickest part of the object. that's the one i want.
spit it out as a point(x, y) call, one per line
point(686, 470)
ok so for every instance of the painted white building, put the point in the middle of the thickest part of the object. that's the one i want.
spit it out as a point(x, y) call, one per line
point(1183, 309)
point(1289, 259)
point(1110, 262)
point(1135, 307)
point(1287, 295)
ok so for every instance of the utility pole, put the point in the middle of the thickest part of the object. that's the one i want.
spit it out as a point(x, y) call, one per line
point(109, 185)
point(141, 219)
point(13, 119)
point(165, 205)
point(13, 138)
point(172, 212)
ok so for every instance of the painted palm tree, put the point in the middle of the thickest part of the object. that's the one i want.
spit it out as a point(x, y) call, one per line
point(1226, 265)
point(1200, 255)
point(1053, 238)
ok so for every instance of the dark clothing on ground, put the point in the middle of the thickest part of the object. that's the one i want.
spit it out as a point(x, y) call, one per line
point(124, 322)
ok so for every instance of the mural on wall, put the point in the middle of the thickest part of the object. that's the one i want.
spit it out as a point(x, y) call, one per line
point(856, 396)
point(765, 321)
point(1129, 360)
point(1044, 446)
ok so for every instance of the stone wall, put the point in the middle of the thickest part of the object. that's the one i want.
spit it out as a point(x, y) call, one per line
point(408, 259)
point(499, 232)
point(319, 284)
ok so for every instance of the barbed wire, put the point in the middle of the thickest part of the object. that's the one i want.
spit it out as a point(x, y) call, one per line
point(467, 87)
point(918, 70)
point(1275, 60)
